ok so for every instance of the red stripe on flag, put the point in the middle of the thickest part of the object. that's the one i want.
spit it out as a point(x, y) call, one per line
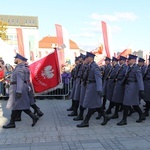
point(20, 42)
point(105, 37)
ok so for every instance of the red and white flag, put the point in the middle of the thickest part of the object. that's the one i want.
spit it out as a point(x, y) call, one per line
point(45, 73)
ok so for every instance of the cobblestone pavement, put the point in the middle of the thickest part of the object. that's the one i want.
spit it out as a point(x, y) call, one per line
point(56, 131)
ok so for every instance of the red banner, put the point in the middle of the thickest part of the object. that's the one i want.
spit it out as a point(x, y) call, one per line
point(60, 42)
point(45, 74)
point(125, 53)
point(20, 42)
point(105, 37)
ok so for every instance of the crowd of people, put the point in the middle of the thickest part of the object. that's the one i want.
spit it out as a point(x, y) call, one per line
point(122, 82)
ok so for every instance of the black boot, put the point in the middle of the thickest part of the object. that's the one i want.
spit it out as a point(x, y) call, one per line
point(85, 123)
point(104, 102)
point(72, 106)
point(111, 105)
point(116, 112)
point(11, 124)
point(37, 110)
point(106, 118)
point(75, 111)
point(146, 113)
point(131, 111)
point(80, 116)
point(99, 116)
point(125, 114)
point(18, 116)
point(141, 117)
point(34, 117)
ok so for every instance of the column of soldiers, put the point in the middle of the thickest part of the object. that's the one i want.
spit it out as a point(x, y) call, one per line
point(121, 82)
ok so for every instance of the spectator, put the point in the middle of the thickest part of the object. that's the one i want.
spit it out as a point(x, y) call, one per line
point(2, 61)
point(1, 79)
point(66, 76)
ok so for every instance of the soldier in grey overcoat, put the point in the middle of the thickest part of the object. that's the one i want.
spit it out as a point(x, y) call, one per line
point(18, 93)
point(106, 70)
point(111, 83)
point(146, 79)
point(83, 89)
point(76, 95)
point(93, 94)
point(73, 78)
point(134, 88)
point(31, 96)
point(118, 94)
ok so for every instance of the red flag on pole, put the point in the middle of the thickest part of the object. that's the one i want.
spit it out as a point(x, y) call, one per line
point(45, 74)
point(60, 42)
point(20, 41)
point(125, 53)
point(105, 37)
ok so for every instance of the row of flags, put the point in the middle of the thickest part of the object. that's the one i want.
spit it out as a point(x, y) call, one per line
point(45, 72)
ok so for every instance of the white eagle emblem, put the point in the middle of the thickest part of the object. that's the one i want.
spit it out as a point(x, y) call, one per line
point(47, 72)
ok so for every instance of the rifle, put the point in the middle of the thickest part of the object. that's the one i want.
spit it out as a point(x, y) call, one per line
point(108, 75)
point(86, 77)
point(5, 78)
point(126, 76)
point(115, 78)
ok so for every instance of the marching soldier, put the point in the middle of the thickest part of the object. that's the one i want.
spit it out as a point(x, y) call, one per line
point(106, 70)
point(141, 64)
point(134, 87)
point(118, 93)
point(76, 95)
point(93, 94)
point(73, 73)
point(111, 83)
point(83, 79)
point(146, 79)
point(31, 96)
point(18, 93)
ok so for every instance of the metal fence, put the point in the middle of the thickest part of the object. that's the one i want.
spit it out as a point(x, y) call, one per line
point(59, 93)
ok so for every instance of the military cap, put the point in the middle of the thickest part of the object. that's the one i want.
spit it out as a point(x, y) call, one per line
point(122, 58)
point(20, 57)
point(132, 57)
point(114, 59)
point(88, 54)
point(107, 59)
point(76, 58)
point(141, 59)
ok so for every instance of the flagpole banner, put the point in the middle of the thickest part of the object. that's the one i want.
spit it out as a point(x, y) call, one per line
point(105, 37)
point(45, 73)
point(60, 42)
point(125, 53)
point(20, 41)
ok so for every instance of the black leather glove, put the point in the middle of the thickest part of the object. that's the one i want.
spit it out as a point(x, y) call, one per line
point(100, 93)
point(141, 94)
point(18, 95)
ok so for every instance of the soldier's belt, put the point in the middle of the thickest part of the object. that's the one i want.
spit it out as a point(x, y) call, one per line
point(128, 81)
point(16, 82)
point(91, 81)
point(146, 79)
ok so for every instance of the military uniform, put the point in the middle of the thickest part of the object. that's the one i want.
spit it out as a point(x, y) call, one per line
point(118, 94)
point(106, 70)
point(134, 87)
point(111, 84)
point(146, 78)
point(18, 93)
point(93, 94)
